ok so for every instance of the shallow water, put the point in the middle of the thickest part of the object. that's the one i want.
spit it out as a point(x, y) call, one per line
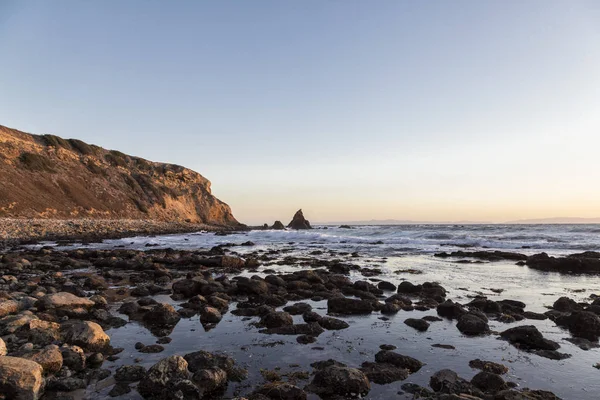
point(403, 248)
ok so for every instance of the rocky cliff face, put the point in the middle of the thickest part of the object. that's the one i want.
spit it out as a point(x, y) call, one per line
point(45, 176)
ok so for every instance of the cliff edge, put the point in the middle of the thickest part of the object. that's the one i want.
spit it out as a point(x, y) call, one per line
point(46, 176)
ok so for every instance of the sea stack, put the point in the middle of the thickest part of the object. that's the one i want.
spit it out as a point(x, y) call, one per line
point(299, 222)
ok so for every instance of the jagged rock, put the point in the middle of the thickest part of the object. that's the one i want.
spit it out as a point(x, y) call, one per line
point(165, 378)
point(340, 381)
point(299, 222)
point(20, 379)
point(278, 226)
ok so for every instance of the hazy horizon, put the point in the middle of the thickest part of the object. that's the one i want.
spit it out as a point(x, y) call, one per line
point(432, 111)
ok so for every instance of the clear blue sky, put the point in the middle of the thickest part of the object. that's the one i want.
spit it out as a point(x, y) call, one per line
point(437, 110)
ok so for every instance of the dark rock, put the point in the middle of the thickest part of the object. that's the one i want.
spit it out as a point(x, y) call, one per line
point(299, 222)
point(330, 323)
point(384, 285)
point(528, 338)
point(382, 373)
point(583, 324)
point(306, 339)
point(278, 226)
point(566, 304)
point(130, 373)
point(471, 324)
point(298, 308)
point(450, 309)
point(162, 381)
point(488, 366)
point(280, 391)
point(340, 381)
point(276, 319)
point(399, 360)
point(419, 324)
point(448, 381)
point(162, 315)
point(343, 305)
point(153, 348)
point(489, 382)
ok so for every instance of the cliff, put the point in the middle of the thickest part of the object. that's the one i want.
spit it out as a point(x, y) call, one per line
point(45, 176)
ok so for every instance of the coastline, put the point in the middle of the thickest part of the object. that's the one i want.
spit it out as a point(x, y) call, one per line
point(17, 231)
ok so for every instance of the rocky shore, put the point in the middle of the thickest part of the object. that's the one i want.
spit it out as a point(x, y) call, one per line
point(60, 312)
point(14, 231)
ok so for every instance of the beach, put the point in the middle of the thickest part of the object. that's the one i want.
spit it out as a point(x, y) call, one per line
point(255, 312)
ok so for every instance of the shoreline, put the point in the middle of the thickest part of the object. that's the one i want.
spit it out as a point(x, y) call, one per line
point(19, 231)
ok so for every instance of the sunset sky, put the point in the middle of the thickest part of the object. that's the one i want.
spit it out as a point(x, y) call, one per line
point(350, 110)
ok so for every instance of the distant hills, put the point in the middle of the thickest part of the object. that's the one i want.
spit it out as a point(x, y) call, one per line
point(557, 220)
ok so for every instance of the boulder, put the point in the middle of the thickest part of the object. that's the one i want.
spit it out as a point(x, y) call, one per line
point(42, 332)
point(332, 324)
point(3, 350)
point(50, 358)
point(528, 338)
point(162, 314)
point(299, 222)
point(471, 325)
point(210, 315)
point(383, 373)
point(583, 324)
point(489, 382)
point(343, 305)
point(448, 382)
point(340, 381)
point(210, 380)
point(418, 324)
point(566, 304)
point(8, 307)
point(399, 360)
point(488, 366)
point(276, 319)
point(20, 379)
point(165, 379)
point(86, 334)
point(64, 301)
point(73, 357)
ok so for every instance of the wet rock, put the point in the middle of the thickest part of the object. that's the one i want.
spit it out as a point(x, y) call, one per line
point(525, 394)
point(382, 373)
point(95, 360)
point(340, 381)
point(398, 360)
point(528, 338)
point(20, 379)
point(165, 379)
point(583, 324)
point(86, 334)
point(485, 255)
point(450, 309)
point(448, 382)
point(42, 332)
point(488, 366)
point(471, 324)
point(582, 343)
point(566, 304)
point(252, 286)
point(312, 329)
point(535, 316)
point(50, 358)
point(162, 315)
point(64, 301)
point(552, 354)
point(73, 357)
point(306, 339)
point(299, 222)
point(343, 305)
point(65, 384)
point(130, 373)
point(210, 380)
point(210, 315)
point(489, 382)
point(418, 324)
point(151, 349)
point(331, 323)
point(587, 262)
point(119, 389)
point(204, 360)
point(418, 391)
point(276, 319)
point(187, 287)
point(384, 285)
point(298, 308)
point(443, 346)
point(280, 391)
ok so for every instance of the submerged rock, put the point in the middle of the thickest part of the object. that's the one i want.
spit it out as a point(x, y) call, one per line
point(343, 305)
point(528, 338)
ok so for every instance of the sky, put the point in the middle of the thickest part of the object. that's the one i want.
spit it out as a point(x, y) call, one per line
point(350, 110)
